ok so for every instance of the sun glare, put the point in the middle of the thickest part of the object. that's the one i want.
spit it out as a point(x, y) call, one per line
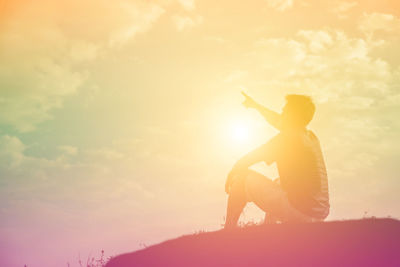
point(239, 132)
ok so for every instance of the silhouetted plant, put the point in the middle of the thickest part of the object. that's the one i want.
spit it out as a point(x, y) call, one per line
point(142, 245)
point(93, 262)
point(199, 232)
point(248, 223)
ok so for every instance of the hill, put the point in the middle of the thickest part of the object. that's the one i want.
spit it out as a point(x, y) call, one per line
point(366, 242)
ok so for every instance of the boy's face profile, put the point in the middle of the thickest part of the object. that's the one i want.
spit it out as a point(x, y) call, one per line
point(297, 112)
point(289, 116)
point(292, 117)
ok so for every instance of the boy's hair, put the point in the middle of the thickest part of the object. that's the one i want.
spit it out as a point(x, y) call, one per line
point(302, 108)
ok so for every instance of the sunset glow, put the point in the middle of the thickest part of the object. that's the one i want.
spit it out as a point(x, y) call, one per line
point(120, 120)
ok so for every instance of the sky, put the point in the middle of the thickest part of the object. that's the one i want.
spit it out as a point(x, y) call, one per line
point(119, 120)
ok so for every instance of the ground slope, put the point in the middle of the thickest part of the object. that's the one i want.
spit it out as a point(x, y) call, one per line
point(367, 242)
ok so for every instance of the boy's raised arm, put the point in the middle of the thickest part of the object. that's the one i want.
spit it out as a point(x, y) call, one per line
point(245, 162)
point(272, 117)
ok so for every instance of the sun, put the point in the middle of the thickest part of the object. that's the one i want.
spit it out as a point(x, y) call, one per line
point(239, 132)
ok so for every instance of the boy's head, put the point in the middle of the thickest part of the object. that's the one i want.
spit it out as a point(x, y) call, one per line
point(298, 111)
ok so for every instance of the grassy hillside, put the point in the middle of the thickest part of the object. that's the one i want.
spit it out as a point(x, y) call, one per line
point(367, 242)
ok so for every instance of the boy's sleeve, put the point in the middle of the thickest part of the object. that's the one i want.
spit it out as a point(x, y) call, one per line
point(270, 150)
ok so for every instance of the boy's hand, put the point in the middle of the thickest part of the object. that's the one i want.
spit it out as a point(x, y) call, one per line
point(230, 179)
point(248, 101)
point(235, 175)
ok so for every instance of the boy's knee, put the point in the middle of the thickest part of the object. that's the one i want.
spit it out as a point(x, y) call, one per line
point(254, 180)
point(257, 186)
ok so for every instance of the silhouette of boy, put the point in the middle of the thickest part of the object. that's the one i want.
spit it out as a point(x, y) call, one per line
point(301, 192)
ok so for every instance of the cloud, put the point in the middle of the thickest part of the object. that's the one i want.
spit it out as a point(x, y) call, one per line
point(184, 22)
point(139, 19)
point(69, 150)
point(216, 39)
point(333, 57)
point(280, 5)
point(11, 152)
point(37, 70)
point(46, 51)
point(342, 9)
point(317, 40)
point(374, 22)
point(62, 178)
point(277, 57)
point(235, 76)
point(188, 4)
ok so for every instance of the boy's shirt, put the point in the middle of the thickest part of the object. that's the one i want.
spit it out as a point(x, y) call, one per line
point(301, 169)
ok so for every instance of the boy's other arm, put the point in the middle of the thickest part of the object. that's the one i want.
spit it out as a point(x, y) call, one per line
point(272, 117)
point(250, 159)
point(243, 164)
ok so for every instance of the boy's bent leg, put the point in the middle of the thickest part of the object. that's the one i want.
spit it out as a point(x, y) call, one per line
point(236, 202)
point(270, 197)
point(251, 186)
point(266, 194)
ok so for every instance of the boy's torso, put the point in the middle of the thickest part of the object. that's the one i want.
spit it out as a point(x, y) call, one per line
point(302, 172)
